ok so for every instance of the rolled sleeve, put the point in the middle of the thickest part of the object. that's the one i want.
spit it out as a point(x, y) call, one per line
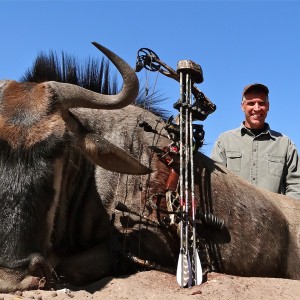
point(292, 178)
point(218, 153)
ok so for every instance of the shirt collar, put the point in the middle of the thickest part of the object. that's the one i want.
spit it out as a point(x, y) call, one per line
point(245, 130)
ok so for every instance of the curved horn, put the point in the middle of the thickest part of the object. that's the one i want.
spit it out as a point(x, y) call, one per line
point(74, 96)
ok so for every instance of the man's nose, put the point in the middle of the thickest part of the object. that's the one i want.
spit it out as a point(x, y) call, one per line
point(256, 106)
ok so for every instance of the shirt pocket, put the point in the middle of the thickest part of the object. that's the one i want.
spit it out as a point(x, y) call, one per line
point(275, 165)
point(234, 159)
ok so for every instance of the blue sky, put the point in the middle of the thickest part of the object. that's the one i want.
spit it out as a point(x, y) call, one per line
point(235, 42)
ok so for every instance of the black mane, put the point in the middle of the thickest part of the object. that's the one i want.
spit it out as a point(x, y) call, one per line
point(91, 74)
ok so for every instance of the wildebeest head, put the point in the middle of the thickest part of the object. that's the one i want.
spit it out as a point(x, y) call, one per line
point(36, 131)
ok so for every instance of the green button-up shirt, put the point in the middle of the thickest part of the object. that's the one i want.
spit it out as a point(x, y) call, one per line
point(268, 160)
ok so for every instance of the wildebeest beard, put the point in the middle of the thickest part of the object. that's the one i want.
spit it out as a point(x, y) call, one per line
point(26, 194)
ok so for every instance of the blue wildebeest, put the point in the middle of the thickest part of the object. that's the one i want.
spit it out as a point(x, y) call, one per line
point(76, 207)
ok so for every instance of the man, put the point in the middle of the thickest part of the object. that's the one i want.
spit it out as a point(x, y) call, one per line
point(266, 158)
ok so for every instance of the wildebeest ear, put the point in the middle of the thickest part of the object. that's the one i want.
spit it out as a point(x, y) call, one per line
point(110, 157)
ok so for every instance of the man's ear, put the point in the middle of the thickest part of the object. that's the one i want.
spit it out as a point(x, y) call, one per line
point(242, 106)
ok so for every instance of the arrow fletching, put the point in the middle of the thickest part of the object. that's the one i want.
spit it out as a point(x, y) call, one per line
point(198, 269)
point(183, 272)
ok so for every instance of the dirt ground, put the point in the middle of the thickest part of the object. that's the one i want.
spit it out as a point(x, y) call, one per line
point(156, 285)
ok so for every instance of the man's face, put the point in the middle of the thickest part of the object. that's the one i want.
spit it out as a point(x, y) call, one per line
point(256, 107)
